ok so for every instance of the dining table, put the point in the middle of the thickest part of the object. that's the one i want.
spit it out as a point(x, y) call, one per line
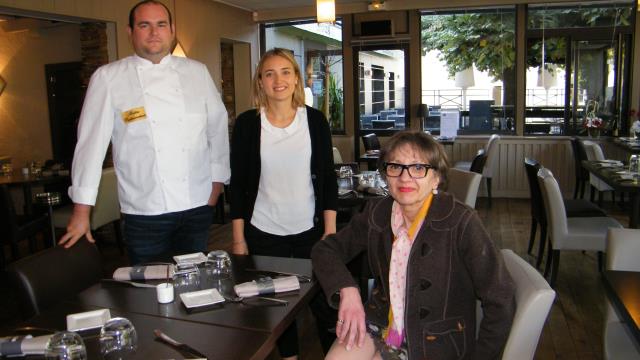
point(623, 290)
point(234, 329)
point(28, 181)
point(616, 175)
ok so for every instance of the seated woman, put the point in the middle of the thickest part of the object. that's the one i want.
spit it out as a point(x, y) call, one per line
point(431, 259)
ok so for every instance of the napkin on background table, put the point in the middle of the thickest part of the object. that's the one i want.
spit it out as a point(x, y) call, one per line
point(267, 286)
point(23, 345)
point(150, 272)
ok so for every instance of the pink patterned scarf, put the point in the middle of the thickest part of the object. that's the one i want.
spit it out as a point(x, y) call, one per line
point(403, 239)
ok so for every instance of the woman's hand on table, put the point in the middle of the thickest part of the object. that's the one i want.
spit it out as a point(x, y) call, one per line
point(351, 329)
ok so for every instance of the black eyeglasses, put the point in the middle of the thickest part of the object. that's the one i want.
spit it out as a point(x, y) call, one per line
point(416, 171)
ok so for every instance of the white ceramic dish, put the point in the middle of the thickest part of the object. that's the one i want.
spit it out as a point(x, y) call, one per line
point(87, 320)
point(195, 258)
point(201, 298)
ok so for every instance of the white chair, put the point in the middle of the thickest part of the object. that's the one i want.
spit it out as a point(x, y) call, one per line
point(623, 247)
point(492, 159)
point(106, 209)
point(583, 233)
point(337, 158)
point(594, 152)
point(534, 298)
point(464, 185)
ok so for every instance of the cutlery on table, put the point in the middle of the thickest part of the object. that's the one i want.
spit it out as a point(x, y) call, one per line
point(178, 345)
point(240, 299)
point(132, 283)
point(301, 278)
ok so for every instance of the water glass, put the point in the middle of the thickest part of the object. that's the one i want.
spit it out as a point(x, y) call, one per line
point(65, 345)
point(219, 264)
point(634, 164)
point(118, 338)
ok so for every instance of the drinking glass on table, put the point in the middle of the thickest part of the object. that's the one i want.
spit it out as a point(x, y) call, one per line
point(345, 178)
point(118, 338)
point(65, 345)
point(218, 264)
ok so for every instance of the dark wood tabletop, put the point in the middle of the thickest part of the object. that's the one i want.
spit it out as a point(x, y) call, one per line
point(227, 331)
point(610, 176)
point(623, 290)
point(629, 145)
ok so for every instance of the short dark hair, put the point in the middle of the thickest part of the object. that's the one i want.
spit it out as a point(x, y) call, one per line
point(132, 12)
point(425, 144)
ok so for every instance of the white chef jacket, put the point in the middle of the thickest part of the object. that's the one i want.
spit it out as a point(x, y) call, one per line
point(167, 159)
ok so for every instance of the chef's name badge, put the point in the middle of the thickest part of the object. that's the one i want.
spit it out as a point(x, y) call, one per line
point(134, 114)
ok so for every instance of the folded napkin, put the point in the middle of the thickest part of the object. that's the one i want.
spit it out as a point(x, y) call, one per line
point(266, 286)
point(23, 345)
point(372, 190)
point(150, 272)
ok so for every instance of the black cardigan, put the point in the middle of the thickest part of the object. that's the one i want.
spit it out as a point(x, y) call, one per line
point(245, 165)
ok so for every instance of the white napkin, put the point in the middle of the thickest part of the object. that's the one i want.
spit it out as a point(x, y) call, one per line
point(23, 345)
point(267, 286)
point(151, 272)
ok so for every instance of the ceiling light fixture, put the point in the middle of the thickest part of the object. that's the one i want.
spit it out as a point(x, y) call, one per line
point(326, 11)
point(379, 5)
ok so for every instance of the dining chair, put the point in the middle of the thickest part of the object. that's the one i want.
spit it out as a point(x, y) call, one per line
point(623, 247)
point(581, 174)
point(577, 233)
point(337, 158)
point(491, 151)
point(105, 211)
point(54, 274)
point(573, 208)
point(371, 142)
point(464, 185)
point(18, 227)
point(477, 164)
point(534, 298)
point(594, 153)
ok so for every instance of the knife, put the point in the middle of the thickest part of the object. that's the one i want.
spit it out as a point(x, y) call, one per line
point(178, 345)
point(301, 278)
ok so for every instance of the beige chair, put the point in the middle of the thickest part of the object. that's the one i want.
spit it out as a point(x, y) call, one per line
point(337, 158)
point(106, 209)
point(464, 185)
point(491, 150)
point(595, 153)
point(623, 247)
point(534, 298)
point(581, 233)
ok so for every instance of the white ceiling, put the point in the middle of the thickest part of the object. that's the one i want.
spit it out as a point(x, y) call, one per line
point(259, 5)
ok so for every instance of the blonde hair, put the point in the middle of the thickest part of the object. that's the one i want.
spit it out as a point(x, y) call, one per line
point(258, 96)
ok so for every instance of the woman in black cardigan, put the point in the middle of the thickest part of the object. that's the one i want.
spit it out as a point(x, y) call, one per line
point(283, 185)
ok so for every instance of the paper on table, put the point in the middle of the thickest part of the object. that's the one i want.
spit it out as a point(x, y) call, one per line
point(449, 122)
point(267, 286)
point(23, 345)
point(151, 272)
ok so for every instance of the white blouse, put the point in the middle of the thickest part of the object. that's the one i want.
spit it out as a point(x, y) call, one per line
point(285, 203)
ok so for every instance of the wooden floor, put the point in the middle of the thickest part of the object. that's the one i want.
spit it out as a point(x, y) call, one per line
point(572, 331)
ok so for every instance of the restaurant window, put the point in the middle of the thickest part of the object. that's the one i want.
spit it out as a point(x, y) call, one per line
point(468, 70)
point(577, 67)
point(317, 48)
point(381, 87)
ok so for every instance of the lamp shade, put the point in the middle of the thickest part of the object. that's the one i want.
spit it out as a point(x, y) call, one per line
point(178, 50)
point(325, 10)
point(464, 78)
point(547, 77)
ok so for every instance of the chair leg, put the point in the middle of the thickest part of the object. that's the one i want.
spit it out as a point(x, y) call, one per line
point(593, 194)
point(554, 270)
point(582, 187)
point(600, 198)
point(532, 236)
point(576, 188)
point(543, 242)
point(600, 261)
point(547, 266)
point(117, 227)
point(489, 190)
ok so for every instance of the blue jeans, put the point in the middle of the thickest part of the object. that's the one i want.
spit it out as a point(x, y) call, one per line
point(159, 237)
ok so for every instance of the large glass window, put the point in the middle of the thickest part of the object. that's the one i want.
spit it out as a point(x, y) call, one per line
point(468, 70)
point(318, 50)
point(381, 87)
point(577, 58)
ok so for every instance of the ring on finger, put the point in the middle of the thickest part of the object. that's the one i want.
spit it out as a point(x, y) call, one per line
point(340, 321)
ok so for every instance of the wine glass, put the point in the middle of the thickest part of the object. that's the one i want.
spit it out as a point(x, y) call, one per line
point(65, 345)
point(219, 264)
point(118, 338)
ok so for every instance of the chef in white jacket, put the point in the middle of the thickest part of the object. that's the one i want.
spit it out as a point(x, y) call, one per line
point(168, 129)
